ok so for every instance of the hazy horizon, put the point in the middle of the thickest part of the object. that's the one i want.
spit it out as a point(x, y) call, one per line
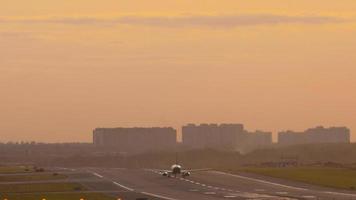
point(69, 67)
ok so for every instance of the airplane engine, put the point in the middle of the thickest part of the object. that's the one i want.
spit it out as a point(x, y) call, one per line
point(186, 174)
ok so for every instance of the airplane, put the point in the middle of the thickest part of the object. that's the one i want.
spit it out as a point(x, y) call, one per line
point(177, 170)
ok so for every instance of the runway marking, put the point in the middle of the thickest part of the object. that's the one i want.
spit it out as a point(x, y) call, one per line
point(255, 195)
point(230, 190)
point(127, 188)
point(118, 168)
point(244, 194)
point(98, 175)
point(282, 193)
point(210, 193)
point(260, 190)
point(261, 181)
point(309, 197)
point(340, 193)
point(158, 196)
point(116, 183)
point(230, 196)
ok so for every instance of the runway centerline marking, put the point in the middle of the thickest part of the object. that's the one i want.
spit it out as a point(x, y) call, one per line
point(158, 196)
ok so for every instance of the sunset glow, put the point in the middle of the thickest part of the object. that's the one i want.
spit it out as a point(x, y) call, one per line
point(67, 67)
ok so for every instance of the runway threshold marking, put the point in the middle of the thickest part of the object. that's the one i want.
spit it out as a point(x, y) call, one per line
point(261, 181)
point(158, 196)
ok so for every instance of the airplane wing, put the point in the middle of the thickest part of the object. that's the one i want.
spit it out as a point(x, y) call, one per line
point(159, 170)
point(197, 170)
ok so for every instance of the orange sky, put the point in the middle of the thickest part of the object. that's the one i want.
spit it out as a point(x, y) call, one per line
point(67, 67)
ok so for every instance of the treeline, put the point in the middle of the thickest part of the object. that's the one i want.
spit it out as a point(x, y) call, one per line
point(87, 155)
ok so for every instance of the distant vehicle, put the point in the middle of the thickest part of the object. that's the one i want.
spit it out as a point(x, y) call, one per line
point(176, 170)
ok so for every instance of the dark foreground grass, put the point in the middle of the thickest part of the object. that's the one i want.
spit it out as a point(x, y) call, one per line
point(31, 177)
point(40, 187)
point(330, 177)
point(73, 196)
point(15, 169)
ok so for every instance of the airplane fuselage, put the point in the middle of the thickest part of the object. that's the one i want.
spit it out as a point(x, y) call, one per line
point(176, 169)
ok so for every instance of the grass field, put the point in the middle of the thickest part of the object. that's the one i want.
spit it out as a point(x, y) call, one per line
point(21, 187)
point(41, 187)
point(76, 196)
point(32, 177)
point(15, 169)
point(329, 177)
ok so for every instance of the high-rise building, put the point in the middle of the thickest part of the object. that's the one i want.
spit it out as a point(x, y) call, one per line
point(224, 136)
point(315, 135)
point(135, 139)
point(255, 139)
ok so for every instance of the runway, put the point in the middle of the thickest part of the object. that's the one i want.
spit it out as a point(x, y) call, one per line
point(212, 185)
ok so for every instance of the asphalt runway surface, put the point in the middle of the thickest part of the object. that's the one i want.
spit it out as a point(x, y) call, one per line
point(209, 185)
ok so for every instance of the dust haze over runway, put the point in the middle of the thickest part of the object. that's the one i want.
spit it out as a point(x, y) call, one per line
point(211, 185)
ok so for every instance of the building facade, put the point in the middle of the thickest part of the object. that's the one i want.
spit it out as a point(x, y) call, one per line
point(315, 135)
point(224, 136)
point(135, 139)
